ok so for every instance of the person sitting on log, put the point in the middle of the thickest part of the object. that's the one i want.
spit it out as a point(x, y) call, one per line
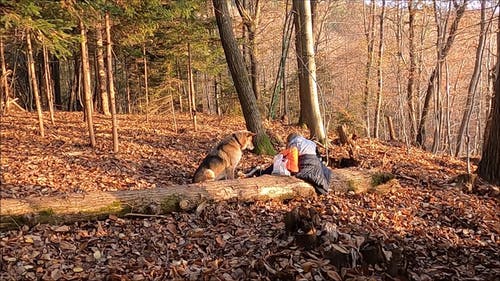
point(301, 159)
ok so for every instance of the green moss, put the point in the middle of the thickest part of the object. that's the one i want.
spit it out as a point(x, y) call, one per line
point(381, 178)
point(115, 207)
point(170, 203)
point(351, 186)
point(263, 145)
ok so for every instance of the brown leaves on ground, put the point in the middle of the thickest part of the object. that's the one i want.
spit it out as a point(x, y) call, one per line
point(441, 231)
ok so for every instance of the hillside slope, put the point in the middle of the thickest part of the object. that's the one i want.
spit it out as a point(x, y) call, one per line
point(440, 230)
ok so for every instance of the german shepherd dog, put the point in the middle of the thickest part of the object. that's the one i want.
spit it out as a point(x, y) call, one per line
point(221, 161)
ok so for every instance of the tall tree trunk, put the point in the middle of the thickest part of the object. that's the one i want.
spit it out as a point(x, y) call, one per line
point(127, 90)
point(379, 72)
point(217, 96)
point(34, 84)
point(399, 76)
point(490, 161)
point(390, 128)
point(101, 69)
point(56, 78)
point(421, 132)
point(48, 83)
point(191, 92)
point(471, 93)
point(410, 99)
point(448, 108)
point(86, 84)
point(241, 78)
point(75, 82)
point(438, 108)
point(146, 87)
point(308, 90)
point(250, 13)
point(370, 39)
point(280, 81)
point(4, 87)
point(111, 83)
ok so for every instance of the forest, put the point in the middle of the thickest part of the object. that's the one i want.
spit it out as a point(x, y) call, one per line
point(108, 107)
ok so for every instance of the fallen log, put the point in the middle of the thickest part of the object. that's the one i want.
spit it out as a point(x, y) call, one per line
point(95, 205)
point(98, 205)
point(360, 181)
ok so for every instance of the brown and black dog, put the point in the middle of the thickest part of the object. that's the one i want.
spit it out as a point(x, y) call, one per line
point(221, 161)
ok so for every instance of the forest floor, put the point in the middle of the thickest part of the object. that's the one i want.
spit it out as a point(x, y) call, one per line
point(442, 231)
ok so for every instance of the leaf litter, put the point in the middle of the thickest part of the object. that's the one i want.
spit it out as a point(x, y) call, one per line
point(429, 228)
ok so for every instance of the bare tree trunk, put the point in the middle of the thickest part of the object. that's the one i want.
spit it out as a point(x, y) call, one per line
point(111, 83)
point(241, 78)
point(180, 85)
point(411, 72)
point(75, 85)
point(399, 62)
point(5, 88)
point(421, 132)
point(34, 84)
point(192, 99)
point(438, 108)
point(471, 93)
point(379, 72)
point(86, 84)
point(490, 160)
point(146, 88)
point(48, 83)
point(308, 90)
point(370, 39)
point(250, 13)
point(56, 78)
point(390, 126)
point(448, 109)
point(127, 90)
point(103, 91)
point(216, 93)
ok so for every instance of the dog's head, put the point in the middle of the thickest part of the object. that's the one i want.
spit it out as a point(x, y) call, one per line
point(245, 139)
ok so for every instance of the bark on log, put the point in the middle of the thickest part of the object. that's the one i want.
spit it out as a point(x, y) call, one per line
point(361, 181)
point(99, 205)
point(77, 207)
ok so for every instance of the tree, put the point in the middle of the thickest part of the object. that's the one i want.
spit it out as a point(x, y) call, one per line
point(111, 83)
point(410, 99)
point(48, 82)
point(4, 87)
point(34, 83)
point(370, 39)
point(87, 94)
point(379, 72)
point(473, 81)
point(308, 90)
point(241, 78)
point(250, 13)
point(101, 71)
point(443, 51)
point(490, 161)
point(191, 92)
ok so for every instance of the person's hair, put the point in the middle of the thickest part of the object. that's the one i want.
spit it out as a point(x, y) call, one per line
point(290, 137)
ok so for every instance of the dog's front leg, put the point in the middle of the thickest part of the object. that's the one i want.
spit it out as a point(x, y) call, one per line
point(230, 173)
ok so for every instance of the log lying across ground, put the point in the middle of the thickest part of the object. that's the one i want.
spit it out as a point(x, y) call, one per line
point(75, 207)
point(157, 201)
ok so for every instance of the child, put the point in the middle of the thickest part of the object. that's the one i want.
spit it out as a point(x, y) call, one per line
point(303, 162)
point(310, 167)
